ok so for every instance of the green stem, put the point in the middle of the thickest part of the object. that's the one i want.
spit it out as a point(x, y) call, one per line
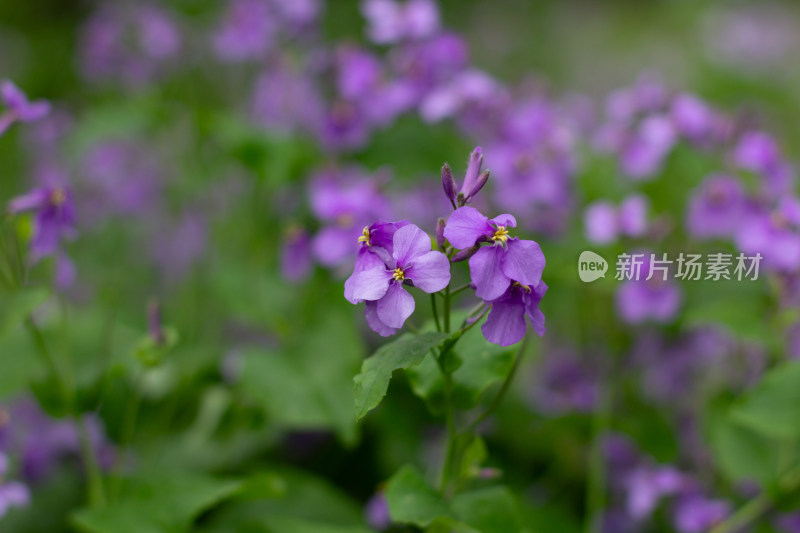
point(128, 429)
point(596, 485)
point(447, 309)
point(498, 399)
point(96, 491)
point(435, 313)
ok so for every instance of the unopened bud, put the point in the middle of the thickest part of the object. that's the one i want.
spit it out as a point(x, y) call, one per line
point(154, 323)
point(448, 183)
point(440, 232)
point(478, 185)
point(473, 170)
point(465, 254)
point(461, 199)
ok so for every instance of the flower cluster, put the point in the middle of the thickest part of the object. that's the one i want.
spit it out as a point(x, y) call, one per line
point(506, 271)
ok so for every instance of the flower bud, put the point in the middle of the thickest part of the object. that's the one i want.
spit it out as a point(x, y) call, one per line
point(473, 170)
point(448, 183)
point(440, 233)
point(465, 254)
point(478, 185)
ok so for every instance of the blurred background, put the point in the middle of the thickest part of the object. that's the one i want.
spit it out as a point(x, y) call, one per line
point(196, 317)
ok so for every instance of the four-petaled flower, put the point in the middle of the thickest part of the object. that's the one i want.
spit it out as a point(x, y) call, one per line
point(410, 262)
point(54, 217)
point(18, 107)
point(494, 268)
point(506, 324)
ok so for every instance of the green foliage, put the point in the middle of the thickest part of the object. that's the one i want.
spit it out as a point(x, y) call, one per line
point(772, 408)
point(376, 372)
point(160, 503)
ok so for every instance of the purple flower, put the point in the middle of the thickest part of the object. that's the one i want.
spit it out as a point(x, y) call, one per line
point(640, 300)
point(506, 323)
point(411, 262)
point(697, 514)
point(390, 21)
point(376, 244)
point(12, 493)
point(716, 208)
point(774, 235)
point(604, 223)
point(760, 153)
point(566, 384)
point(54, 217)
point(130, 45)
point(693, 118)
point(376, 512)
point(788, 523)
point(504, 261)
point(645, 150)
point(296, 255)
point(646, 486)
point(345, 201)
point(18, 107)
point(247, 31)
point(286, 100)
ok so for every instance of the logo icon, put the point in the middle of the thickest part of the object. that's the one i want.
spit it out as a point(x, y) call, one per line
point(591, 266)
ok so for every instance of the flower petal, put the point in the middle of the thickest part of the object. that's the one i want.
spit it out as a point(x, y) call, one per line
point(375, 323)
point(365, 260)
point(506, 220)
point(465, 226)
point(396, 306)
point(532, 307)
point(430, 272)
point(505, 324)
point(484, 269)
point(523, 262)
point(369, 284)
point(410, 242)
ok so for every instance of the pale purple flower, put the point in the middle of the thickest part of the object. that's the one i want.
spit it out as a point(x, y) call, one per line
point(646, 95)
point(646, 486)
point(717, 208)
point(376, 512)
point(130, 44)
point(788, 523)
point(18, 107)
point(494, 268)
point(54, 217)
point(604, 223)
point(774, 235)
point(411, 263)
point(376, 244)
point(693, 118)
point(247, 31)
point(645, 150)
point(508, 319)
point(296, 255)
point(641, 300)
point(12, 493)
point(286, 100)
point(390, 21)
point(344, 201)
point(565, 384)
point(695, 513)
point(759, 152)
point(426, 65)
point(466, 88)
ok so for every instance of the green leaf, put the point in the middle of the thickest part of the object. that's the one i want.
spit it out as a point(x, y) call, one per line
point(162, 503)
point(376, 372)
point(742, 454)
point(489, 510)
point(481, 365)
point(413, 500)
point(308, 386)
point(285, 499)
point(16, 306)
point(772, 408)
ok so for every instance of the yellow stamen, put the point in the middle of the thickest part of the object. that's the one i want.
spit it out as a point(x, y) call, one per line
point(525, 288)
point(365, 236)
point(399, 275)
point(501, 234)
point(58, 197)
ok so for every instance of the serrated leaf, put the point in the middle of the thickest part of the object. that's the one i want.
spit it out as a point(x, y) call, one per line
point(376, 372)
point(772, 408)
